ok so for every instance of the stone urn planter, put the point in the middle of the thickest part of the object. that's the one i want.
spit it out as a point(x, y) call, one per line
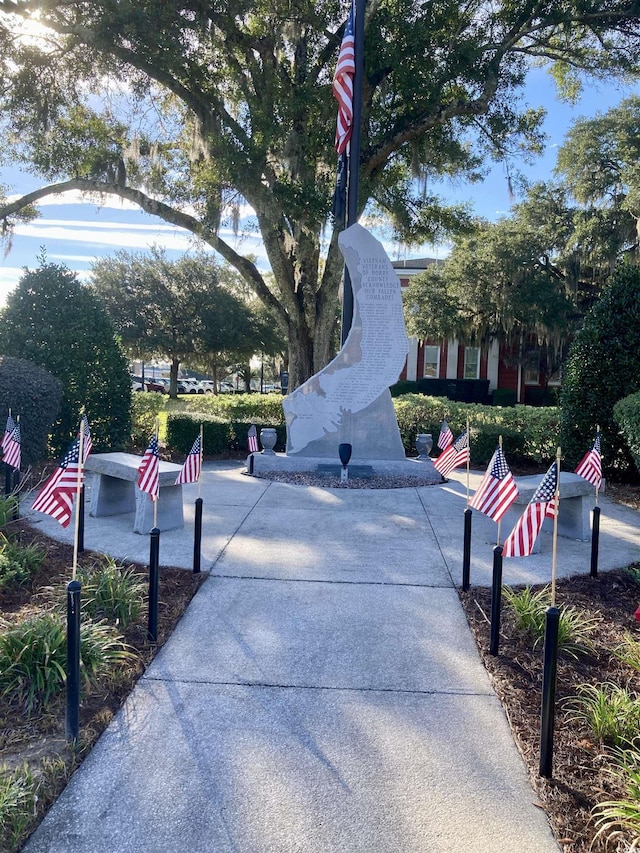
point(268, 439)
point(424, 443)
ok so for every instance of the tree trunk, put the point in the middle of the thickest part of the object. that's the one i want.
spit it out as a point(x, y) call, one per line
point(173, 378)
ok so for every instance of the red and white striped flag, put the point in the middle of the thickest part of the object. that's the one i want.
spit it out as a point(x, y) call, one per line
point(343, 84)
point(591, 465)
point(252, 439)
point(192, 465)
point(13, 448)
point(543, 504)
point(498, 489)
point(57, 494)
point(455, 455)
point(87, 444)
point(9, 428)
point(149, 470)
point(446, 436)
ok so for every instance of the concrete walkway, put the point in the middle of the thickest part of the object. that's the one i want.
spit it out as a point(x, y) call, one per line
point(323, 693)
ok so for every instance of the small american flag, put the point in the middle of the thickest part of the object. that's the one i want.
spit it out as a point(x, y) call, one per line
point(252, 439)
point(455, 455)
point(9, 428)
point(87, 444)
point(446, 436)
point(520, 542)
point(343, 84)
point(12, 448)
point(149, 470)
point(591, 465)
point(498, 489)
point(192, 465)
point(56, 497)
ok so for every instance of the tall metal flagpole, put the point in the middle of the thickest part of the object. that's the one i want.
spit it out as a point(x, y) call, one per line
point(353, 169)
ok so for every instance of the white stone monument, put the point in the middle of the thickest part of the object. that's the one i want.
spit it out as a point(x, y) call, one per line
point(349, 399)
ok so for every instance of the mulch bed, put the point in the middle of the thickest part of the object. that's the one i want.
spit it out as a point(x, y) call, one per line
point(581, 767)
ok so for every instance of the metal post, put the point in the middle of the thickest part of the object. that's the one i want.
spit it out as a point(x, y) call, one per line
point(8, 476)
point(466, 552)
point(595, 541)
point(154, 560)
point(496, 600)
point(550, 666)
point(197, 537)
point(81, 521)
point(251, 464)
point(16, 493)
point(73, 660)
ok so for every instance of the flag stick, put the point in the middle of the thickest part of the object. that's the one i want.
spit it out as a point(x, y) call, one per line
point(500, 519)
point(78, 498)
point(468, 459)
point(155, 503)
point(201, 452)
point(555, 531)
point(597, 433)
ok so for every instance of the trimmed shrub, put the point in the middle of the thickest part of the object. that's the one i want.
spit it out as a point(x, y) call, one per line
point(404, 386)
point(503, 397)
point(484, 442)
point(145, 408)
point(626, 413)
point(602, 368)
point(34, 394)
point(56, 322)
point(182, 430)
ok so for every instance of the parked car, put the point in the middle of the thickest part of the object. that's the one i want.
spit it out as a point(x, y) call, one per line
point(157, 386)
point(190, 386)
point(208, 385)
point(136, 383)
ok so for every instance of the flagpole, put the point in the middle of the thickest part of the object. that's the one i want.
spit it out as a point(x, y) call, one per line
point(597, 433)
point(155, 503)
point(500, 519)
point(468, 459)
point(353, 168)
point(556, 498)
point(78, 497)
point(201, 452)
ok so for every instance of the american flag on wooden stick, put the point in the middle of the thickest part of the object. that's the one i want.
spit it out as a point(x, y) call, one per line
point(9, 428)
point(252, 439)
point(455, 455)
point(343, 84)
point(190, 472)
point(543, 504)
point(149, 470)
point(56, 496)
point(87, 444)
point(591, 465)
point(13, 448)
point(446, 436)
point(498, 489)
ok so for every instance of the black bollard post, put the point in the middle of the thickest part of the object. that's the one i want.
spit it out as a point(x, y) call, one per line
point(595, 541)
point(550, 667)
point(73, 660)
point(466, 552)
point(16, 493)
point(154, 572)
point(81, 521)
point(197, 537)
point(496, 600)
point(251, 465)
point(8, 478)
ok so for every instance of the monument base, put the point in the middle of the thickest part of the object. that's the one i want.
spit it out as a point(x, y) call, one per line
point(421, 471)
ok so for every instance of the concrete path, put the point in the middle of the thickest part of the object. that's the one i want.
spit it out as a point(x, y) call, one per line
point(322, 693)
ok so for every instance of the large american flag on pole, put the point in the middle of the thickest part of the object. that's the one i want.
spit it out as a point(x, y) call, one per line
point(591, 465)
point(455, 455)
point(343, 84)
point(543, 504)
point(498, 489)
point(192, 465)
point(13, 448)
point(149, 470)
point(57, 494)
point(446, 436)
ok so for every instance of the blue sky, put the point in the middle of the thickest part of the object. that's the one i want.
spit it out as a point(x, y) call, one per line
point(76, 233)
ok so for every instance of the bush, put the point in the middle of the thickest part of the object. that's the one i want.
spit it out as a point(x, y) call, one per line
point(602, 368)
point(503, 397)
point(183, 428)
point(112, 592)
point(33, 394)
point(56, 322)
point(18, 563)
point(626, 413)
point(484, 442)
point(403, 386)
point(145, 408)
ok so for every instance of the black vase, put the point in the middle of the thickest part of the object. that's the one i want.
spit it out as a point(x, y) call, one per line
point(344, 452)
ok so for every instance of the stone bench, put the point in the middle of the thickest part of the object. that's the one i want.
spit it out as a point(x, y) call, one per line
point(574, 519)
point(116, 491)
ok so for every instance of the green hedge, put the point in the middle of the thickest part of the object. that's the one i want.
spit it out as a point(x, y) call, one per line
point(183, 429)
point(145, 408)
point(626, 413)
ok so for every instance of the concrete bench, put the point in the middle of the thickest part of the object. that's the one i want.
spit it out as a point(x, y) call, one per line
point(116, 491)
point(574, 519)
